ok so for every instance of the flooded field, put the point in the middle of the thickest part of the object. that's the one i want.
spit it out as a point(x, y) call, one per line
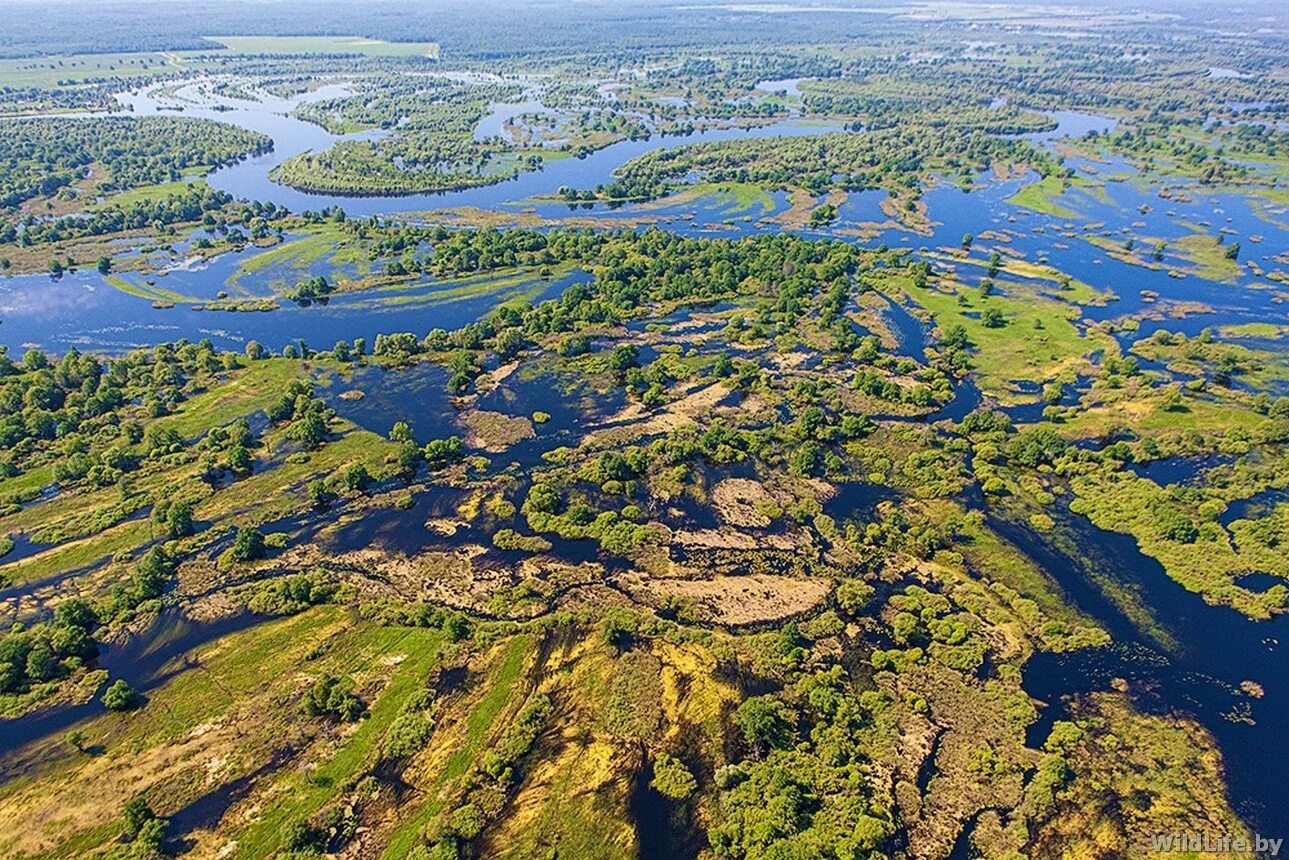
point(598, 510)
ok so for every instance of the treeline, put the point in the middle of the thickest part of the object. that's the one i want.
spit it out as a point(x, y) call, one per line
point(78, 399)
point(895, 158)
point(746, 70)
point(363, 167)
point(436, 105)
point(38, 156)
point(887, 109)
point(1213, 155)
point(193, 204)
point(431, 146)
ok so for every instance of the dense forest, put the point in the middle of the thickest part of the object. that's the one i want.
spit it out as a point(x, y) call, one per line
point(40, 156)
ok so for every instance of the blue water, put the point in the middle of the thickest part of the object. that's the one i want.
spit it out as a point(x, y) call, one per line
point(1178, 470)
point(1214, 648)
point(82, 310)
point(1212, 651)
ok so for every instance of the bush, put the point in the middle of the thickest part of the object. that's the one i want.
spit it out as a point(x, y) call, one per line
point(671, 778)
point(120, 697)
point(440, 453)
point(333, 697)
point(292, 594)
point(150, 574)
point(853, 595)
point(248, 545)
point(134, 815)
point(407, 735)
point(765, 723)
point(518, 739)
point(467, 821)
point(513, 540)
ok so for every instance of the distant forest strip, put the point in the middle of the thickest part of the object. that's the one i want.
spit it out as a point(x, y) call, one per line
point(38, 156)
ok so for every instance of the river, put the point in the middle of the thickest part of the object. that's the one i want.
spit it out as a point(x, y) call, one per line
point(83, 309)
point(1217, 648)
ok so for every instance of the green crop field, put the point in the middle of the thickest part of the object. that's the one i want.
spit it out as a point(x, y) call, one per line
point(325, 45)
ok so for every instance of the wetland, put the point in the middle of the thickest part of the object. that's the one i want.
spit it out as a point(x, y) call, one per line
point(424, 447)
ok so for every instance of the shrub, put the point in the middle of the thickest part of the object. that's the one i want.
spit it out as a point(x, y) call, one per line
point(333, 697)
point(120, 697)
point(407, 735)
point(671, 778)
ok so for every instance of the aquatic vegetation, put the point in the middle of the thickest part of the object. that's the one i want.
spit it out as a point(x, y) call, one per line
point(1044, 196)
point(896, 159)
point(1186, 536)
point(650, 441)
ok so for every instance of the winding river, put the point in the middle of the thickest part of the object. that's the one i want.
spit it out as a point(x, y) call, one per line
point(1211, 651)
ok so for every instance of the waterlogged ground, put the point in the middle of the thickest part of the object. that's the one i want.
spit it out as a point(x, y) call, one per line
point(240, 296)
point(1080, 234)
point(1076, 263)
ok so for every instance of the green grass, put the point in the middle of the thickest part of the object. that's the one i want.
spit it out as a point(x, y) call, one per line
point(1038, 343)
point(1267, 330)
point(294, 253)
point(153, 193)
point(1147, 414)
point(1002, 562)
point(1076, 291)
point(304, 794)
point(246, 392)
point(250, 663)
point(79, 554)
point(278, 492)
point(478, 726)
point(1209, 563)
point(86, 523)
point(514, 286)
point(1208, 257)
point(46, 72)
point(735, 197)
point(28, 483)
point(1041, 196)
point(147, 291)
point(325, 45)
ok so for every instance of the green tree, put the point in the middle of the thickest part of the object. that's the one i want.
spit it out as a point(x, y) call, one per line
point(443, 452)
point(310, 430)
point(179, 520)
point(151, 573)
point(319, 495)
point(624, 357)
point(356, 478)
point(134, 815)
point(120, 697)
point(764, 723)
point(332, 696)
point(248, 545)
point(671, 778)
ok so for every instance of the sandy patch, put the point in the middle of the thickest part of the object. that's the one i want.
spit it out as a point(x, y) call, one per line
point(733, 600)
point(634, 420)
point(494, 432)
point(735, 500)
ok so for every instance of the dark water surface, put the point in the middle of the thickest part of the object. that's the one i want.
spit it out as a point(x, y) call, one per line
point(1197, 663)
point(1212, 649)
